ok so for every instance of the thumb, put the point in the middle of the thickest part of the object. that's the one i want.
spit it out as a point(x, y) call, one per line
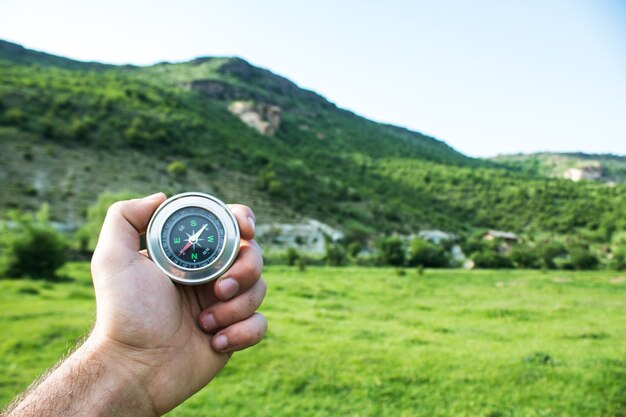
point(124, 223)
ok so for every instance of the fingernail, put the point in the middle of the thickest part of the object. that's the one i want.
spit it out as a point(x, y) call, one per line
point(251, 221)
point(209, 323)
point(228, 288)
point(220, 342)
point(153, 196)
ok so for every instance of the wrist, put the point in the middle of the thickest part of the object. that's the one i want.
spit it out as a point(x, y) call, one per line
point(91, 381)
point(123, 379)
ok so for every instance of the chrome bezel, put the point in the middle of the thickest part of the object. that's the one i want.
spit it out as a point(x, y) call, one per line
point(221, 263)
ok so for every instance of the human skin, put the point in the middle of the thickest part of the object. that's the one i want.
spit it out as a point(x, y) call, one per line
point(154, 343)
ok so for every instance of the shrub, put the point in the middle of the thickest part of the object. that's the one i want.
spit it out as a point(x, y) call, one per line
point(581, 258)
point(524, 256)
point(292, 256)
point(301, 262)
point(354, 248)
point(549, 253)
point(427, 254)
point(177, 169)
point(30, 246)
point(490, 259)
point(618, 261)
point(618, 251)
point(391, 250)
point(336, 254)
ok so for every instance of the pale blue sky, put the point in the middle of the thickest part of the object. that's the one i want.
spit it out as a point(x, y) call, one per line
point(487, 77)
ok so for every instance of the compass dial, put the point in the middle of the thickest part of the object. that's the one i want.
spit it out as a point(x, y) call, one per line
point(192, 238)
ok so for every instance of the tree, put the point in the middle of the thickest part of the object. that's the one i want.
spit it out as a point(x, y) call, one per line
point(391, 250)
point(177, 169)
point(524, 256)
point(427, 254)
point(581, 258)
point(336, 254)
point(618, 251)
point(491, 260)
point(30, 246)
point(292, 256)
point(549, 252)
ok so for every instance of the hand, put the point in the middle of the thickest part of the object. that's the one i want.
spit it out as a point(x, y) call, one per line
point(175, 338)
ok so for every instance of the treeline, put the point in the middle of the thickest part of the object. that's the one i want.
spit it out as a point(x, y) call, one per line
point(556, 252)
point(23, 235)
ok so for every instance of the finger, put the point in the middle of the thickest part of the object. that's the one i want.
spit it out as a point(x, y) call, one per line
point(243, 274)
point(221, 315)
point(246, 220)
point(240, 335)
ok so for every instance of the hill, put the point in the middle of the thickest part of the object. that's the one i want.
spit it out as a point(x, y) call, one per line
point(74, 130)
point(574, 166)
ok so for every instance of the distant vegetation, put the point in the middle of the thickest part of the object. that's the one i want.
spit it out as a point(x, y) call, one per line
point(555, 165)
point(30, 247)
point(77, 130)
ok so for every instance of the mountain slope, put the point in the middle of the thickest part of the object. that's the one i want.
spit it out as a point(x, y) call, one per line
point(600, 167)
point(288, 152)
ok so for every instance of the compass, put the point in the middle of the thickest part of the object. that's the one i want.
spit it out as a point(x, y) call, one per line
point(193, 238)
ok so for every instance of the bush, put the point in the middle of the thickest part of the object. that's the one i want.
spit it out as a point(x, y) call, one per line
point(491, 260)
point(177, 169)
point(618, 261)
point(292, 256)
point(549, 253)
point(524, 256)
point(391, 250)
point(30, 246)
point(618, 251)
point(301, 262)
point(581, 258)
point(336, 254)
point(427, 254)
point(354, 248)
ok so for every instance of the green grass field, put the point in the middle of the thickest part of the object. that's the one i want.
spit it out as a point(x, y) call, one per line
point(370, 342)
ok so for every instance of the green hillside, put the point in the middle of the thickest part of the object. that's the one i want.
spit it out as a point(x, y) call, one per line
point(74, 130)
point(607, 167)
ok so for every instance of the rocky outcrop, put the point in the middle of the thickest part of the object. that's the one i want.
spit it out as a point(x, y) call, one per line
point(588, 172)
point(264, 118)
point(308, 237)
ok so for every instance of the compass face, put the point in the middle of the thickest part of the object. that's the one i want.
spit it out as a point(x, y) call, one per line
point(192, 237)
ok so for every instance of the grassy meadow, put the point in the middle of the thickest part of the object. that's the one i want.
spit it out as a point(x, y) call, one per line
point(374, 342)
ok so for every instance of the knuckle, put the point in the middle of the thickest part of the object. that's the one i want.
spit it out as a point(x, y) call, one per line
point(252, 267)
point(262, 287)
point(247, 211)
point(249, 337)
point(116, 208)
point(254, 245)
point(254, 301)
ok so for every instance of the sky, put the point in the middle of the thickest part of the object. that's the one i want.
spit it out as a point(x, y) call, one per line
point(487, 76)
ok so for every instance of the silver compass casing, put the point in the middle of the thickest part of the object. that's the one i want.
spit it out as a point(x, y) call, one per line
point(227, 253)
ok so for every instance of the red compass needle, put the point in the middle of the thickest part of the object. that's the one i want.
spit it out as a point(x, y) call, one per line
point(185, 248)
point(193, 239)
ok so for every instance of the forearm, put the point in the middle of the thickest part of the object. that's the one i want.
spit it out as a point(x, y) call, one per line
point(90, 382)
